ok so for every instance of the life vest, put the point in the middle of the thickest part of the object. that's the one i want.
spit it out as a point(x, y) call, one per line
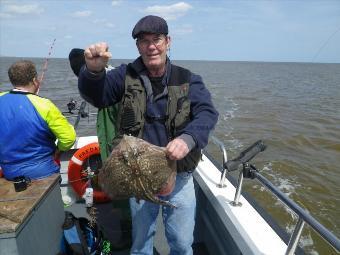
point(132, 108)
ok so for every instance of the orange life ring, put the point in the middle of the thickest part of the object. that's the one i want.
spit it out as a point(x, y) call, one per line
point(75, 169)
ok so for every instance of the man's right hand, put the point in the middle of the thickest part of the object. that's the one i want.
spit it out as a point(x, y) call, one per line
point(97, 56)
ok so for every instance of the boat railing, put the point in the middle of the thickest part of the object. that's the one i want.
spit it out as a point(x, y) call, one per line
point(248, 170)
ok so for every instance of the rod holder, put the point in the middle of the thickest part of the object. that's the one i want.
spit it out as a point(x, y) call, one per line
point(221, 184)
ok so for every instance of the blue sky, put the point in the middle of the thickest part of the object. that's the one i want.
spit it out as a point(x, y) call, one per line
point(288, 31)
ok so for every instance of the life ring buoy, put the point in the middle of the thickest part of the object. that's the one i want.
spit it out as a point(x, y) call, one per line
point(75, 169)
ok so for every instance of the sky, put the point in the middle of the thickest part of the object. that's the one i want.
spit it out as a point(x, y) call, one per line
point(274, 31)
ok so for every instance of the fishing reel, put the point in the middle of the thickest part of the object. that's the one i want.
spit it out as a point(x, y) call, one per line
point(82, 111)
point(71, 106)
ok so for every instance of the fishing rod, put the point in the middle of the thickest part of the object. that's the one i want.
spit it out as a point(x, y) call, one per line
point(44, 68)
point(324, 44)
point(81, 114)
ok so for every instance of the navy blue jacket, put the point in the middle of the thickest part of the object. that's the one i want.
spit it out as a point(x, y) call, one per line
point(107, 88)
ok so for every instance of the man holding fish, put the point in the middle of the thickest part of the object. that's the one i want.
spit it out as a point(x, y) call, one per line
point(164, 104)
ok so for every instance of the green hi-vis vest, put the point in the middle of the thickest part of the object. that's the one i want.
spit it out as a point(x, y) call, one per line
point(131, 112)
point(106, 129)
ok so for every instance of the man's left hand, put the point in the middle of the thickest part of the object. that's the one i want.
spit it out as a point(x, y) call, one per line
point(177, 149)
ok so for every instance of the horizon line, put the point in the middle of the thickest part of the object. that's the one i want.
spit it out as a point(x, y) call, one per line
point(202, 60)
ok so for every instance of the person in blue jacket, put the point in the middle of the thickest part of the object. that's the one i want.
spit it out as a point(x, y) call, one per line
point(164, 104)
point(30, 126)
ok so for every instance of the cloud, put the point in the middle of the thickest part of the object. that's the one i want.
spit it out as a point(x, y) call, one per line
point(184, 30)
point(103, 22)
point(11, 10)
point(5, 15)
point(52, 28)
point(98, 21)
point(109, 25)
point(80, 14)
point(169, 12)
point(116, 2)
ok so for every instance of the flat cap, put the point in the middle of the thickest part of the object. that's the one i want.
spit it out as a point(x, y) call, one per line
point(150, 24)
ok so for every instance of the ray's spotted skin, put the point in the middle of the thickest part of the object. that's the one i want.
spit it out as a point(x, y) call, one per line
point(138, 169)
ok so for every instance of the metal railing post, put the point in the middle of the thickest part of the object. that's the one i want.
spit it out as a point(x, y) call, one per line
point(222, 181)
point(236, 201)
point(224, 160)
point(294, 239)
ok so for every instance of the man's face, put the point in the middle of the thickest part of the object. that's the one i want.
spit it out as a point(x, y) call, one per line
point(153, 48)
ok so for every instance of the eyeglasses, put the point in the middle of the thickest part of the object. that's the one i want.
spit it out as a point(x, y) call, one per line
point(157, 41)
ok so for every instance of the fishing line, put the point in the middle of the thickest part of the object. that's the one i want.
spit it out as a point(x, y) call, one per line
point(324, 45)
point(46, 61)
